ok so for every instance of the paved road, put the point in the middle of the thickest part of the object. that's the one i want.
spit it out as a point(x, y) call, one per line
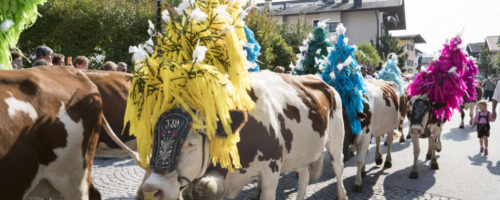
point(463, 173)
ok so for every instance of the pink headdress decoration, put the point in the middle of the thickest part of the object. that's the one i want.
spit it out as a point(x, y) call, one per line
point(447, 80)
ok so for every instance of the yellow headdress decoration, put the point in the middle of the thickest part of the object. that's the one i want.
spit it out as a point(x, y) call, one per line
point(197, 65)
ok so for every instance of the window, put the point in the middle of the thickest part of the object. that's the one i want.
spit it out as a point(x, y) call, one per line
point(332, 27)
point(315, 23)
point(409, 62)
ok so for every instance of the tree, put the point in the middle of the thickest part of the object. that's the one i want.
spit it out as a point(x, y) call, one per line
point(275, 51)
point(96, 29)
point(485, 65)
point(390, 45)
point(295, 33)
point(367, 55)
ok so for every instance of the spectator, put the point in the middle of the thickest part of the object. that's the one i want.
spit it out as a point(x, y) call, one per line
point(489, 87)
point(39, 62)
point(17, 60)
point(81, 62)
point(279, 69)
point(496, 98)
point(58, 59)
point(365, 74)
point(44, 52)
point(109, 66)
point(379, 67)
point(122, 67)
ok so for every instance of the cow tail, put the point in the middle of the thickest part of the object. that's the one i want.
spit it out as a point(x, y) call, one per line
point(317, 168)
point(134, 155)
point(396, 133)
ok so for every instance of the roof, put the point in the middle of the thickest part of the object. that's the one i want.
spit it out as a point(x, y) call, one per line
point(493, 43)
point(336, 7)
point(416, 37)
point(474, 47)
point(426, 60)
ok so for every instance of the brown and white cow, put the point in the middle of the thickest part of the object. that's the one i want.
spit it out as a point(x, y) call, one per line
point(50, 121)
point(421, 117)
point(114, 87)
point(382, 115)
point(295, 118)
point(470, 106)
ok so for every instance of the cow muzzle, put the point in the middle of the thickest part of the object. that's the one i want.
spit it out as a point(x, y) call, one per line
point(417, 129)
point(161, 188)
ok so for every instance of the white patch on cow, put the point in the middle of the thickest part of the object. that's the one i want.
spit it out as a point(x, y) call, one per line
point(21, 106)
point(66, 173)
point(98, 73)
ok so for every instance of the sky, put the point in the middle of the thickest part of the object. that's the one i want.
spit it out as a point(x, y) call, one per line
point(437, 20)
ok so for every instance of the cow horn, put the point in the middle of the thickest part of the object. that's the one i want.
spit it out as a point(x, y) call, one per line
point(117, 140)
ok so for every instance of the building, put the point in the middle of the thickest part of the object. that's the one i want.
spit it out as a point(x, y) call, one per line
point(493, 45)
point(365, 20)
point(473, 49)
point(409, 42)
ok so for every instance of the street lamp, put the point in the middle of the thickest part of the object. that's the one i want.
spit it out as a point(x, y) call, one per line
point(158, 15)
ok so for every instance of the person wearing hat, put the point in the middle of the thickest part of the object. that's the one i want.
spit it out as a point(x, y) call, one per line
point(482, 119)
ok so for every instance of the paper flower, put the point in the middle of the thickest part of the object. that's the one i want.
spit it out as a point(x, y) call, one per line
point(199, 53)
point(165, 16)
point(222, 12)
point(5, 26)
point(198, 15)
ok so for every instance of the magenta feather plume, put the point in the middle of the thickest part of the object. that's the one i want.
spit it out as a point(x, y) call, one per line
point(447, 80)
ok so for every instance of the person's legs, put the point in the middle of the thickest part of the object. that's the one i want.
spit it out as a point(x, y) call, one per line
point(481, 144)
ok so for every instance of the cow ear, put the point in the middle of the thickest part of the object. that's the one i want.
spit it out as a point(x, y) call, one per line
point(435, 105)
point(239, 119)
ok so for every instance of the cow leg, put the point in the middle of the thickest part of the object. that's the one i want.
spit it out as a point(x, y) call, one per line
point(388, 158)
point(435, 135)
point(428, 156)
point(416, 153)
point(471, 113)
point(365, 141)
point(400, 129)
point(378, 154)
point(303, 181)
point(438, 143)
point(334, 148)
point(462, 114)
point(269, 185)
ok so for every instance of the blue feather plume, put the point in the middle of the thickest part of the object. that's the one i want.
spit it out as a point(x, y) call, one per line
point(391, 72)
point(252, 47)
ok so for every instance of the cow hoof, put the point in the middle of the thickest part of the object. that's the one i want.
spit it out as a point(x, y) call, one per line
point(434, 165)
point(357, 188)
point(413, 175)
point(387, 164)
point(378, 161)
point(438, 149)
point(461, 127)
point(408, 136)
point(385, 143)
point(428, 157)
point(402, 139)
point(363, 174)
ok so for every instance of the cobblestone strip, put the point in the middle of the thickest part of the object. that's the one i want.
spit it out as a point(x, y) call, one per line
point(119, 178)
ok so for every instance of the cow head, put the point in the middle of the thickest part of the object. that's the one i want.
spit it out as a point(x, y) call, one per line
point(419, 113)
point(180, 154)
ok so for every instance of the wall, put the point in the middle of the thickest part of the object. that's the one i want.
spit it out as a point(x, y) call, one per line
point(412, 55)
point(361, 26)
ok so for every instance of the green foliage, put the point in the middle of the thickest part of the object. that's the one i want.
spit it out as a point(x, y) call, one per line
point(485, 64)
point(275, 51)
point(390, 45)
point(367, 55)
point(295, 33)
point(90, 28)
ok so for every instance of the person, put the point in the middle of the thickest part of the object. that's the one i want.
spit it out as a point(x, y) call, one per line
point(39, 62)
point(365, 74)
point(482, 119)
point(17, 60)
point(58, 59)
point(44, 52)
point(109, 66)
point(379, 67)
point(496, 98)
point(489, 87)
point(279, 69)
point(122, 67)
point(81, 62)
point(419, 69)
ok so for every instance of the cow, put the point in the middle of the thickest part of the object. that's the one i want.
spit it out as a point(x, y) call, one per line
point(50, 122)
point(292, 123)
point(403, 112)
point(471, 106)
point(113, 87)
point(381, 117)
point(422, 117)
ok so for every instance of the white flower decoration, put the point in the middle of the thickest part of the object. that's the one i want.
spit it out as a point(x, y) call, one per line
point(5, 26)
point(322, 25)
point(199, 53)
point(222, 12)
point(165, 16)
point(185, 4)
point(198, 15)
point(138, 52)
point(151, 29)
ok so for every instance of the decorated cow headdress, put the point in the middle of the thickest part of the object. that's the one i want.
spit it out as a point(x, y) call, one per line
point(252, 49)
point(344, 74)
point(195, 74)
point(447, 80)
point(391, 72)
point(15, 16)
point(314, 54)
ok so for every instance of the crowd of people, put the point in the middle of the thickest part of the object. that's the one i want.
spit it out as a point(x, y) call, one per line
point(44, 55)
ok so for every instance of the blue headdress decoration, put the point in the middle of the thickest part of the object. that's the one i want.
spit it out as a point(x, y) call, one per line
point(391, 72)
point(343, 73)
point(253, 49)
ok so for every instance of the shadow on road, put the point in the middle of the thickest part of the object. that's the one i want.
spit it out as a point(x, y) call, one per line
point(494, 170)
point(458, 134)
point(400, 179)
point(480, 160)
